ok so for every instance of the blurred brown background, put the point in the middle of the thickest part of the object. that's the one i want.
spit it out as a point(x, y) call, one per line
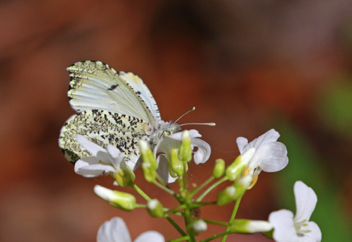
point(247, 65)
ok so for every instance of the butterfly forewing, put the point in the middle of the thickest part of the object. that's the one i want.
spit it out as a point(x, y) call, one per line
point(95, 85)
point(142, 90)
point(103, 128)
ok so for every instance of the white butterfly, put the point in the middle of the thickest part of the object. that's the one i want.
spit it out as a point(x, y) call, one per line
point(113, 108)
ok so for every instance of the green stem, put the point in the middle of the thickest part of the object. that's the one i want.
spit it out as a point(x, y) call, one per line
point(137, 189)
point(200, 187)
point(215, 236)
point(173, 223)
point(208, 221)
point(172, 210)
point(185, 178)
point(160, 180)
point(188, 219)
point(180, 239)
point(201, 204)
point(146, 197)
point(141, 206)
point(211, 188)
point(164, 188)
point(233, 215)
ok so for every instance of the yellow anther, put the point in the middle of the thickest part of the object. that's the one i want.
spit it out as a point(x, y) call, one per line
point(245, 172)
point(254, 181)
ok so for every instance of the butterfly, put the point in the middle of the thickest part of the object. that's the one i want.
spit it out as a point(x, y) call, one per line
point(112, 108)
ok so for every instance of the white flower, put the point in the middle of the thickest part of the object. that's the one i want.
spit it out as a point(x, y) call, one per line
point(269, 156)
point(173, 142)
point(109, 160)
point(289, 228)
point(115, 230)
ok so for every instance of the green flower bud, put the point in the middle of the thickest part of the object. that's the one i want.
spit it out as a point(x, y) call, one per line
point(125, 177)
point(242, 185)
point(148, 172)
point(149, 164)
point(249, 226)
point(176, 164)
point(147, 154)
point(226, 196)
point(197, 227)
point(185, 151)
point(238, 166)
point(155, 208)
point(219, 168)
point(121, 200)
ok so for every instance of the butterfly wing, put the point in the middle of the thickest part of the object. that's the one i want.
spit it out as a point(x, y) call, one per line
point(95, 85)
point(138, 85)
point(113, 109)
point(103, 128)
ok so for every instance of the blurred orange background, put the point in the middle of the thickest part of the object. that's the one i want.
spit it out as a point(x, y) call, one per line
point(248, 66)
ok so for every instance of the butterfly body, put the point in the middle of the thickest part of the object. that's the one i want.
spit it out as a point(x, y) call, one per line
point(113, 108)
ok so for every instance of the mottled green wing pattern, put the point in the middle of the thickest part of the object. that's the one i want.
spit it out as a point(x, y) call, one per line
point(103, 128)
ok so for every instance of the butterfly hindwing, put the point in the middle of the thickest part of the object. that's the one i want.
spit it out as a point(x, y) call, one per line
point(103, 128)
point(95, 85)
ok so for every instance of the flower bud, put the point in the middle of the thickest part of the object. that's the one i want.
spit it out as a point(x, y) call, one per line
point(155, 208)
point(185, 151)
point(242, 185)
point(197, 227)
point(125, 176)
point(249, 226)
point(238, 166)
point(147, 154)
point(148, 172)
point(149, 164)
point(226, 196)
point(121, 200)
point(219, 168)
point(176, 164)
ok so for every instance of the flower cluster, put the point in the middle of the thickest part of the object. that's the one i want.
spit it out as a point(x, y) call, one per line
point(167, 161)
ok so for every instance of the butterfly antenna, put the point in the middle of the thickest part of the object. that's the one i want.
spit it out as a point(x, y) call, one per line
point(209, 124)
point(192, 109)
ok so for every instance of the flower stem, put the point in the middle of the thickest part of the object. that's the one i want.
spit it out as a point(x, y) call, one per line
point(137, 189)
point(173, 223)
point(173, 210)
point(185, 178)
point(187, 218)
point(164, 188)
point(211, 188)
point(179, 239)
point(233, 215)
point(208, 221)
point(160, 179)
point(215, 236)
point(200, 187)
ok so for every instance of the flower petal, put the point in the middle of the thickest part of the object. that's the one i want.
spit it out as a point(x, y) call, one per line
point(270, 157)
point(114, 230)
point(306, 199)
point(163, 171)
point(93, 148)
point(192, 133)
point(134, 162)
point(284, 228)
point(241, 143)
point(90, 167)
point(315, 233)
point(150, 236)
point(203, 152)
point(115, 155)
point(166, 145)
point(270, 136)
